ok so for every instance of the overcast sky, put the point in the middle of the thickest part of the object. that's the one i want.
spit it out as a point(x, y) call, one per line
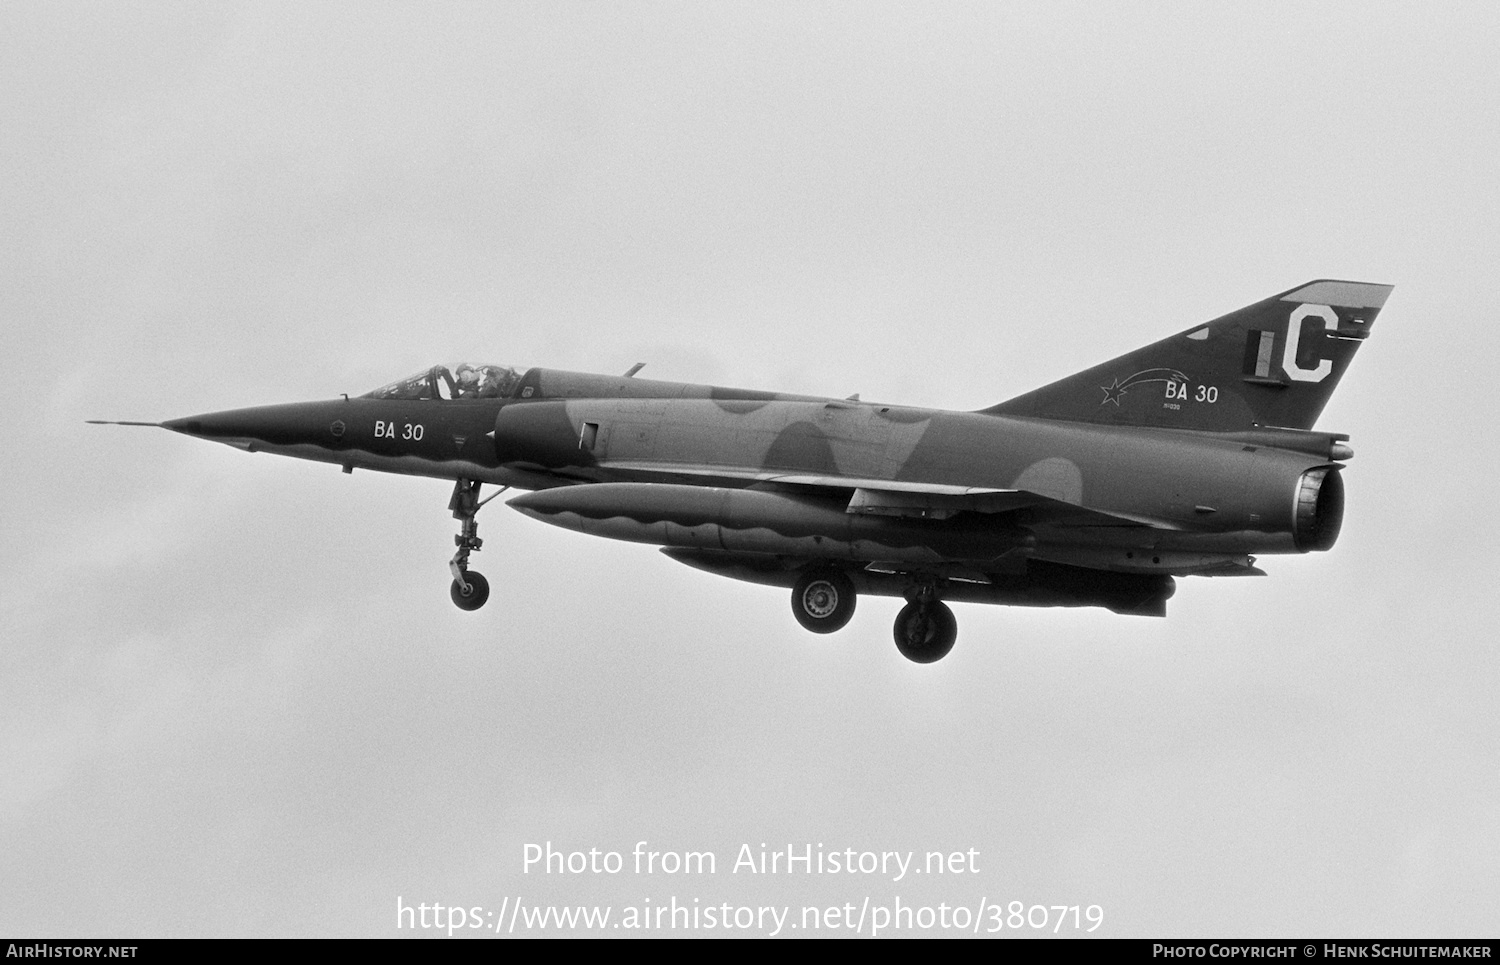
point(236, 700)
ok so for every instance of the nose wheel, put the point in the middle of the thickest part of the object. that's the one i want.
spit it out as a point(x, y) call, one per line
point(469, 590)
point(471, 593)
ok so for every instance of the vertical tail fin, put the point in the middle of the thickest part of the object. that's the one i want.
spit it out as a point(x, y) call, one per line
point(1274, 363)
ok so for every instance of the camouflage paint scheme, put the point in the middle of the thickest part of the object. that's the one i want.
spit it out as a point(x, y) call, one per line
point(1186, 457)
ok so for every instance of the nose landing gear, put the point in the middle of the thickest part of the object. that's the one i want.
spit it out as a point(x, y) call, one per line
point(469, 590)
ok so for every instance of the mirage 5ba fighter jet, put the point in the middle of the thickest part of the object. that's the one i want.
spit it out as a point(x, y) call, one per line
point(1184, 458)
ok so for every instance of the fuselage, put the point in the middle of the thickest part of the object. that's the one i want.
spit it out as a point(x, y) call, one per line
point(1147, 500)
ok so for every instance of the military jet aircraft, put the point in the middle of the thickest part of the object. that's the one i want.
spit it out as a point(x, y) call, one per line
point(1184, 458)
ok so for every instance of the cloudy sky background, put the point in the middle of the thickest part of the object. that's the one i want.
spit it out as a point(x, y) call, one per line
point(235, 698)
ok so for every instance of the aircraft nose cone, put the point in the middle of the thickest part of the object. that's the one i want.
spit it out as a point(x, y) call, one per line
point(267, 425)
point(191, 426)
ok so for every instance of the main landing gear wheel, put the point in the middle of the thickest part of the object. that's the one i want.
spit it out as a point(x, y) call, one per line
point(471, 594)
point(925, 632)
point(823, 600)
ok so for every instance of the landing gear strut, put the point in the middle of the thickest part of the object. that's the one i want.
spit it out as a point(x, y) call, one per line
point(469, 590)
point(925, 628)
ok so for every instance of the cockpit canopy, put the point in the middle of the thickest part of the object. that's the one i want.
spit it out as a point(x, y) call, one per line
point(463, 381)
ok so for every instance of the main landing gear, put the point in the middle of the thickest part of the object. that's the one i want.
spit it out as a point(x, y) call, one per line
point(925, 628)
point(823, 601)
point(469, 590)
